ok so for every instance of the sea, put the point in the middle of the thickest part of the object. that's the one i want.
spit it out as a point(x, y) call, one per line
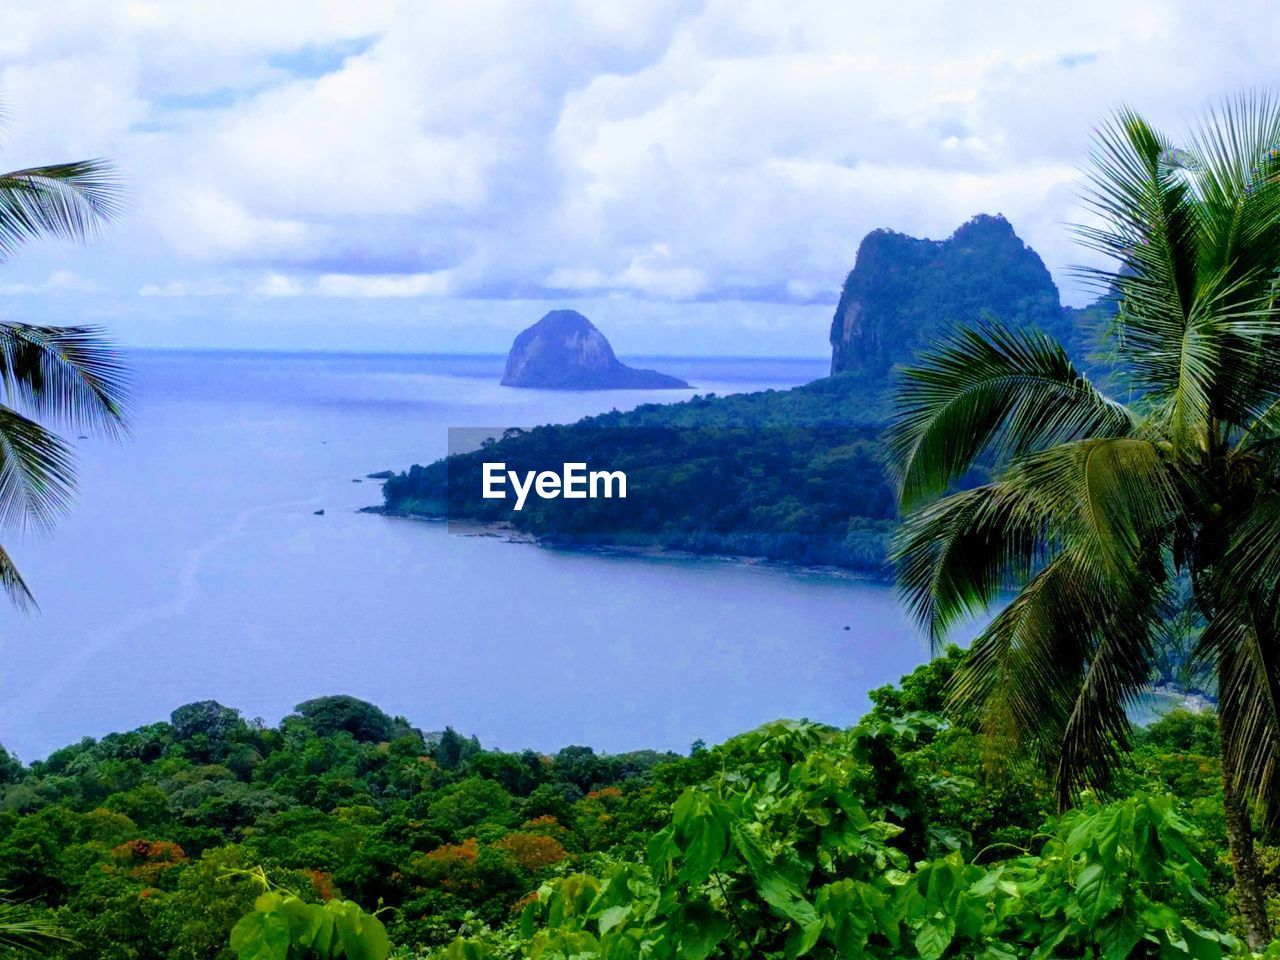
point(194, 566)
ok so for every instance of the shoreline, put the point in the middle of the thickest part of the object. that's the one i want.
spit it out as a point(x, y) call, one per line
point(510, 534)
point(1161, 697)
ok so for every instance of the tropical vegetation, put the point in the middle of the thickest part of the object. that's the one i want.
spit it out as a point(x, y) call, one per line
point(1105, 513)
point(345, 832)
point(998, 803)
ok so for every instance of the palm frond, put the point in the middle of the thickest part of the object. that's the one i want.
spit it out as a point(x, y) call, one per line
point(23, 930)
point(1059, 667)
point(1240, 642)
point(1127, 624)
point(1023, 670)
point(1151, 218)
point(37, 472)
point(1234, 169)
point(14, 585)
point(954, 556)
point(67, 200)
point(1249, 566)
point(991, 389)
point(71, 375)
point(1108, 498)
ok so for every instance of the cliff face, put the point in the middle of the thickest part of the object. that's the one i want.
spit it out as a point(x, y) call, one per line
point(565, 351)
point(904, 292)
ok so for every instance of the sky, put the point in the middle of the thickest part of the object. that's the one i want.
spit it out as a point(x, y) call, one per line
point(695, 177)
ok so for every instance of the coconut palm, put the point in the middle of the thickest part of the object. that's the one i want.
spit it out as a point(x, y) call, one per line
point(51, 377)
point(1099, 510)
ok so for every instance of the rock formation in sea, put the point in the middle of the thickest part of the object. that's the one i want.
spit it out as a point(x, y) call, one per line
point(904, 292)
point(565, 351)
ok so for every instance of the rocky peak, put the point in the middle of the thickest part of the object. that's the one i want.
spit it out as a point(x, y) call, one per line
point(905, 291)
point(565, 351)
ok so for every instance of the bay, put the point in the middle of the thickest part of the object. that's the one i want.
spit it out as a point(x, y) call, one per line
point(194, 567)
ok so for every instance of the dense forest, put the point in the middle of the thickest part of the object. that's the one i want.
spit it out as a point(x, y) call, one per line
point(139, 843)
point(896, 837)
point(795, 475)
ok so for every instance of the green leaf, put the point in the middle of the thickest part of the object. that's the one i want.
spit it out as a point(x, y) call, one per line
point(310, 927)
point(700, 931)
point(699, 821)
point(1097, 894)
point(933, 938)
point(1117, 939)
point(611, 917)
point(360, 936)
point(662, 850)
point(261, 936)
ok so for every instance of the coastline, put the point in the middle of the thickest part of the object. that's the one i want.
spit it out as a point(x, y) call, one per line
point(510, 534)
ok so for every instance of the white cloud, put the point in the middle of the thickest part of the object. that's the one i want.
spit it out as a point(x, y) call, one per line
point(57, 282)
point(202, 224)
point(660, 151)
point(186, 288)
point(277, 285)
point(385, 286)
point(650, 274)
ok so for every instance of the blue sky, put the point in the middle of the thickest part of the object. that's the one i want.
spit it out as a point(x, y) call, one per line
point(693, 176)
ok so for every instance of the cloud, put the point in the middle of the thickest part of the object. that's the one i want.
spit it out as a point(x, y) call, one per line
point(385, 286)
point(59, 282)
point(663, 151)
point(277, 285)
point(186, 288)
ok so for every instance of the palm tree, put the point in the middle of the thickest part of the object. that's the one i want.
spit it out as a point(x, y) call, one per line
point(1099, 510)
point(68, 377)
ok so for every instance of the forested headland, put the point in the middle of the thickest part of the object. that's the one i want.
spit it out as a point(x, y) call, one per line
point(794, 475)
point(797, 475)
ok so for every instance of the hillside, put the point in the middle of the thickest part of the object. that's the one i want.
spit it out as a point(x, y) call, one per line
point(790, 475)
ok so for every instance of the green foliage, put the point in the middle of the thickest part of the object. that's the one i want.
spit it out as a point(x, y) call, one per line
point(206, 718)
point(137, 844)
point(1185, 731)
point(282, 926)
point(901, 834)
point(781, 854)
point(365, 722)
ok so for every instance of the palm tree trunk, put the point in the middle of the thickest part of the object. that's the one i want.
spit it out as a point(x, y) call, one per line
point(1244, 863)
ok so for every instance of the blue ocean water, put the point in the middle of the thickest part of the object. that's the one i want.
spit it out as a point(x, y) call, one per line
point(195, 567)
